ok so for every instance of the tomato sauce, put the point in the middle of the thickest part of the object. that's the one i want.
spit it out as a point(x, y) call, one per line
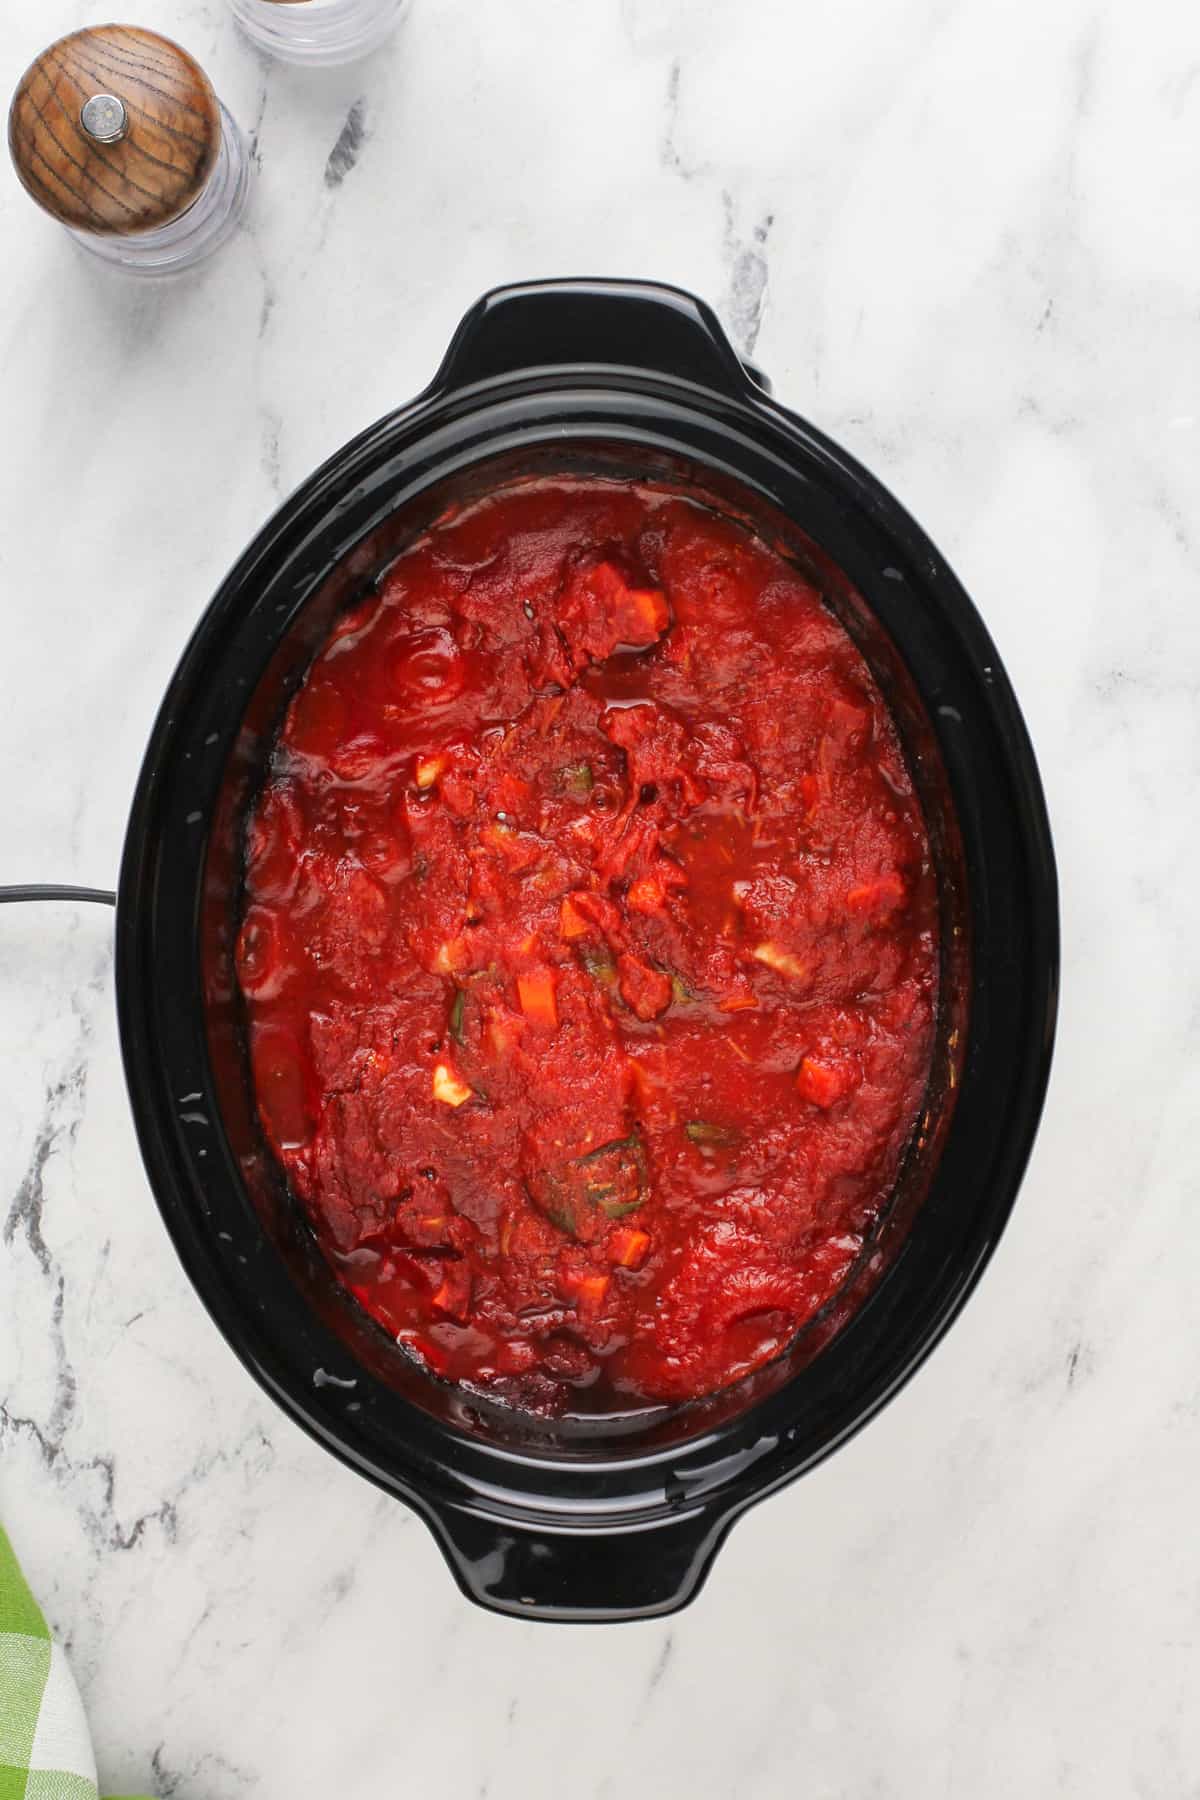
point(590, 948)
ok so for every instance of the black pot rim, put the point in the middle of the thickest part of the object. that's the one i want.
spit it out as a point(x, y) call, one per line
point(633, 1535)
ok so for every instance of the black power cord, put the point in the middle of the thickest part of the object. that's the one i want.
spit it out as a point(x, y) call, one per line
point(39, 891)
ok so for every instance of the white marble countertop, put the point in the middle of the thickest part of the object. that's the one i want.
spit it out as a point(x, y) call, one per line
point(964, 239)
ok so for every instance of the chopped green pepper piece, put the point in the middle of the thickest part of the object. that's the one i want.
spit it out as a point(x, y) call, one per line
point(623, 1184)
point(632, 1142)
point(681, 993)
point(456, 1016)
point(577, 779)
point(558, 1208)
point(701, 1132)
point(605, 1183)
point(557, 1201)
point(598, 963)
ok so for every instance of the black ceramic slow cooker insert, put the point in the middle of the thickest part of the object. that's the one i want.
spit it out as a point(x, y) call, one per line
point(602, 1518)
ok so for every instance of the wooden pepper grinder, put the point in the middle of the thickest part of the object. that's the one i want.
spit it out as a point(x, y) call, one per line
point(117, 133)
point(318, 31)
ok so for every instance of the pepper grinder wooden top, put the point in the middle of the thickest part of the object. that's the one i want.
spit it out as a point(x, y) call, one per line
point(114, 130)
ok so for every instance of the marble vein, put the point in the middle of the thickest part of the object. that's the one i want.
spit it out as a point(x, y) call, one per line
point(746, 293)
point(349, 146)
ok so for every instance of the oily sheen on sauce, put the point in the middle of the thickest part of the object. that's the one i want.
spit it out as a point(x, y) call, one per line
point(590, 948)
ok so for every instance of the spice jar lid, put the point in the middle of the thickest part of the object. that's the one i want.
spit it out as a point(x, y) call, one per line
point(114, 130)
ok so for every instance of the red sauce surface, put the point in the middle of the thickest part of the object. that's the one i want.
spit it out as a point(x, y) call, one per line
point(590, 948)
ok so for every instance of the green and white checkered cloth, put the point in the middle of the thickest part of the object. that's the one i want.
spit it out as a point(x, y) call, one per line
point(45, 1745)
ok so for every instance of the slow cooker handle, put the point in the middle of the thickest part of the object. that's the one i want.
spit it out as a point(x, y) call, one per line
point(628, 324)
point(583, 1576)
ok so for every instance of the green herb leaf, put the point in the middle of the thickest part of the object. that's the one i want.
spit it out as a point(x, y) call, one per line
point(456, 1016)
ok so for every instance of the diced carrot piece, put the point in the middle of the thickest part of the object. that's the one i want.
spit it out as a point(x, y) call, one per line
point(640, 614)
point(587, 1291)
point(448, 1088)
point(601, 609)
point(628, 1247)
point(782, 961)
point(824, 1084)
point(737, 1003)
point(454, 1295)
point(571, 922)
point(592, 1290)
point(536, 994)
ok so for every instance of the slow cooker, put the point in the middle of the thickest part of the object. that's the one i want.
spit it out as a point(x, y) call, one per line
point(601, 1518)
